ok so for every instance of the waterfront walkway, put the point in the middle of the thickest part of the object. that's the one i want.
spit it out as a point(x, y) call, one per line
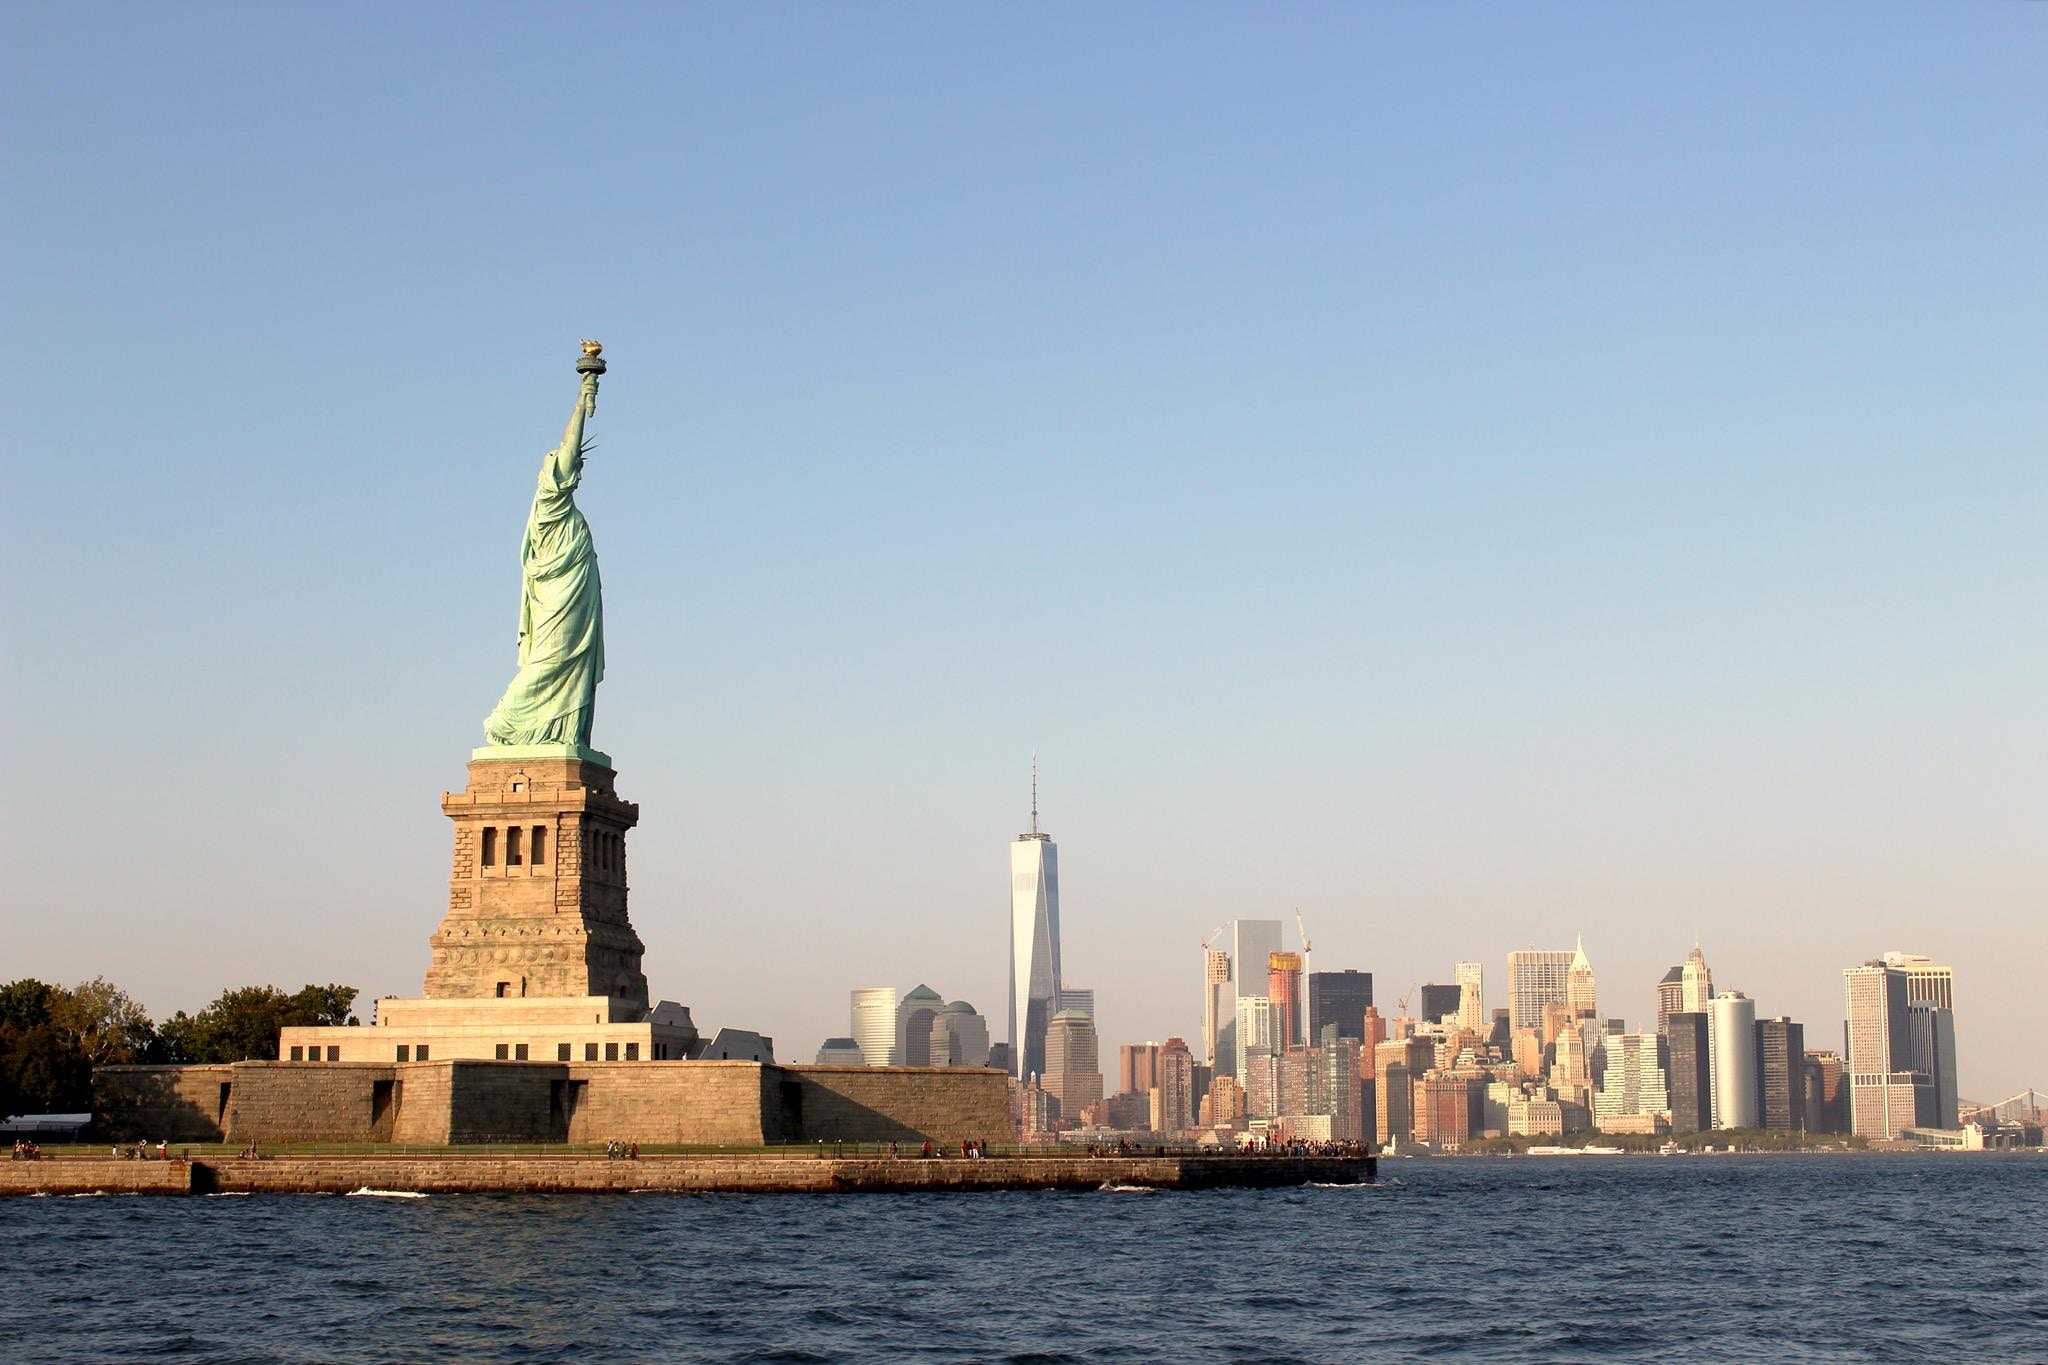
point(764, 1172)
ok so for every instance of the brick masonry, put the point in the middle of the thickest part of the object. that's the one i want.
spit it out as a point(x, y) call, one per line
point(425, 1103)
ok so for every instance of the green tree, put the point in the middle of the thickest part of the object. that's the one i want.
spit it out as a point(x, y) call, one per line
point(328, 1005)
point(104, 1021)
point(51, 1038)
point(43, 1072)
point(243, 1023)
point(25, 1003)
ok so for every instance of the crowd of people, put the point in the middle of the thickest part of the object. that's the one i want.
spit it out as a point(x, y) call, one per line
point(1125, 1147)
point(622, 1151)
point(24, 1150)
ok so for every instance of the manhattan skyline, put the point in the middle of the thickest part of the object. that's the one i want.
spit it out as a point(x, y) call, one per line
point(1406, 493)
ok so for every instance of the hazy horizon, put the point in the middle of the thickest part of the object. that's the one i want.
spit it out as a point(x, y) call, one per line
point(1472, 476)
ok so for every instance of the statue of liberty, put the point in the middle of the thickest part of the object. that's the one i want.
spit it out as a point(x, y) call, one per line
point(561, 608)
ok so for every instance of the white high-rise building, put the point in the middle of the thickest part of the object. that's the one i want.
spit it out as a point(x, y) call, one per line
point(874, 1025)
point(1731, 1052)
point(1536, 977)
point(1034, 941)
point(1251, 944)
point(1258, 1030)
point(1695, 983)
point(1471, 979)
point(1581, 991)
point(1633, 1081)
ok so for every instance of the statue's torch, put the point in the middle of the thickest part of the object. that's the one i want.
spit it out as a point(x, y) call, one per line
point(590, 364)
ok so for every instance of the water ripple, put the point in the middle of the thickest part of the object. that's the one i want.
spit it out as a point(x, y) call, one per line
point(1788, 1259)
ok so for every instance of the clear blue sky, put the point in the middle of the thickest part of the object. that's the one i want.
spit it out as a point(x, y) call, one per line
point(1475, 473)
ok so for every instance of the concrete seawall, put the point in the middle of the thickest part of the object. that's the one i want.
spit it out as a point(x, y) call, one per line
point(763, 1174)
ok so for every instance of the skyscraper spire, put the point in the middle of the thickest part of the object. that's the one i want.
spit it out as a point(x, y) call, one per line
point(1034, 791)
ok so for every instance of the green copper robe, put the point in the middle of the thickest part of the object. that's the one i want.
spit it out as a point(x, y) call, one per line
point(561, 609)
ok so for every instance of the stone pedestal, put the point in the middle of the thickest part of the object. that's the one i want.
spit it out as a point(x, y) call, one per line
point(537, 891)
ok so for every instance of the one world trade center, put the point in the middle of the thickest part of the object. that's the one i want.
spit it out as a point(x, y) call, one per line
point(1034, 941)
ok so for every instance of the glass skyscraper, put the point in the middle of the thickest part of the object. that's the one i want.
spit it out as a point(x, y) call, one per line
point(1034, 941)
point(1338, 998)
point(1251, 944)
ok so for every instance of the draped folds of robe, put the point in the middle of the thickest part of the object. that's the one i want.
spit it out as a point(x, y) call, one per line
point(561, 616)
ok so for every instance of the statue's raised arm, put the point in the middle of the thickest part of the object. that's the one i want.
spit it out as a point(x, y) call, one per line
point(553, 697)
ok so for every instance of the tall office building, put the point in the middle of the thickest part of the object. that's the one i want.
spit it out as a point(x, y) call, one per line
point(1080, 998)
point(1218, 1008)
point(1580, 991)
point(1884, 1090)
point(1632, 1081)
point(1670, 997)
point(1536, 977)
point(1731, 1029)
point(1073, 1069)
point(1827, 1093)
point(914, 1016)
point(1571, 1069)
point(874, 1024)
point(839, 1052)
point(1696, 983)
point(1444, 1102)
point(1179, 1105)
point(1471, 978)
point(1297, 1082)
point(959, 1036)
point(1137, 1067)
point(1283, 975)
point(1258, 1031)
point(1397, 1066)
point(1340, 999)
point(1439, 1001)
point(1342, 1089)
point(1251, 944)
point(1931, 1038)
point(1688, 1076)
point(1375, 1029)
point(1781, 1074)
point(1927, 982)
point(1261, 1085)
point(1034, 940)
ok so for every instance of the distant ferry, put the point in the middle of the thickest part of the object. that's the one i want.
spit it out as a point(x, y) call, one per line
point(1575, 1151)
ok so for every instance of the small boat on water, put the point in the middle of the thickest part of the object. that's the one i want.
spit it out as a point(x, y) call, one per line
point(1670, 1149)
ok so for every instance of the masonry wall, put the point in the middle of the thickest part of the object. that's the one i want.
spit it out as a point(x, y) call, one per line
point(506, 1102)
point(174, 1103)
point(426, 1103)
point(706, 1103)
point(943, 1104)
point(328, 1102)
